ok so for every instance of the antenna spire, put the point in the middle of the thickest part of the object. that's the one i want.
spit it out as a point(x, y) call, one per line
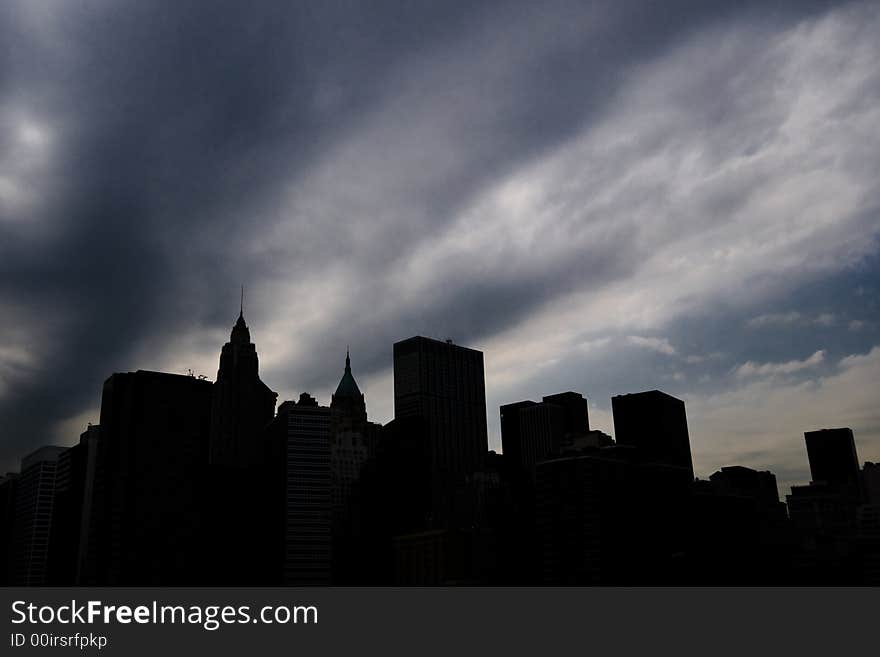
point(241, 307)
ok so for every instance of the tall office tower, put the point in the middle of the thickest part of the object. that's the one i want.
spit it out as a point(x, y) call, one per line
point(825, 513)
point(147, 525)
point(299, 440)
point(511, 437)
point(7, 518)
point(832, 455)
point(352, 442)
point(531, 432)
point(35, 495)
point(656, 425)
point(242, 404)
point(74, 488)
point(542, 428)
point(576, 412)
point(445, 385)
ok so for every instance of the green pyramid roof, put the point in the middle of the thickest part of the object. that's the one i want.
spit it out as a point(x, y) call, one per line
point(347, 387)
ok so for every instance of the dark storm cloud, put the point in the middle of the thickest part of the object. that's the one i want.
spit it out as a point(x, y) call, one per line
point(170, 123)
point(161, 142)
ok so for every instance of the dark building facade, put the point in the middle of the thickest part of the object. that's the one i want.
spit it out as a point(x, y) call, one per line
point(74, 492)
point(444, 383)
point(656, 425)
point(825, 514)
point(575, 412)
point(444, 557)
point(394, 496)
point(34, 502)
point(825, 522)
point(300, 472)
point(542, 428)
point(533, 431)
point(759, 486)
point(832, 456)
point(604, 518)
point(871, 482)
point(235, 487)
point(7, 519)
point(738, 530)
point(147, 524)
point(511, 434)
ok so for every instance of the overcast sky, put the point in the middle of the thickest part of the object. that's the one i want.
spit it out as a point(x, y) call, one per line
point(604, 197)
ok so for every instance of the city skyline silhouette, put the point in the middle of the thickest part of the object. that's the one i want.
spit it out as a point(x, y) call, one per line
point(633, 212)
point(187, 481)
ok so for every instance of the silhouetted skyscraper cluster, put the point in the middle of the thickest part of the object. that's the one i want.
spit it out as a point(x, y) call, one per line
point(189, 482)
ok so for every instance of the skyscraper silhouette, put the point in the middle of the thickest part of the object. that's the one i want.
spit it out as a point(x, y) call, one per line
point(511, 433)
point(832, 456)
point(35, 495)
point(242, 404)
point(235, 488)
point(444, 384)
point(825, 513)
point(656, 425)
point(352, 442)
point(72, 511)
point(148, 525)
point(300, 474)
point(531, 432)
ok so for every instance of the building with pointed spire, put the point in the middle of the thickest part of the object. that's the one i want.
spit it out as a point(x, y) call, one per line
point(352, 441)
point(242, 404)
point(348, 400)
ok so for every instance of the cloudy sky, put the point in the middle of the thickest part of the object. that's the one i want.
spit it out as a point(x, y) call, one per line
point(605, 197)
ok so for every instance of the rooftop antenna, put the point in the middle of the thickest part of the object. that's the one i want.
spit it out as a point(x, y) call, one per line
point(241, 308)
